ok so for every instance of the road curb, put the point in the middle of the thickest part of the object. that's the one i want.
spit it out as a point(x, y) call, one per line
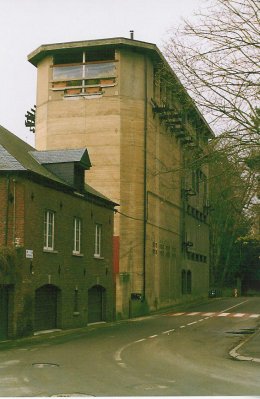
point(235, 354)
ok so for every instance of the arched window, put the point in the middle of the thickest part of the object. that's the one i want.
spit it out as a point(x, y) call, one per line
point(188, 282)
point(183, 282)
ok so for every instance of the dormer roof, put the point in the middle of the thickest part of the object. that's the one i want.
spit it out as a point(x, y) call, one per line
point(18, 156)
point(79, 156)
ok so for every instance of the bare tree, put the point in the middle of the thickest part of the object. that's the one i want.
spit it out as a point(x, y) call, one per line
point(217, 60)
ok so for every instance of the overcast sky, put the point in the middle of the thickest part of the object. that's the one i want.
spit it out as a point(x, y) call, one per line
point(26, 24)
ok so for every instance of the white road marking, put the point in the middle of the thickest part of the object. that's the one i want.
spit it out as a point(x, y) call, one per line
point(193, 313)
point(235, 306)
point(223, 314)
point(169, 331)
point(193, 322)
point(178, 314)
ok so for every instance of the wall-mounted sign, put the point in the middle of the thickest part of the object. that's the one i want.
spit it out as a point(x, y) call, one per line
point(29, 253)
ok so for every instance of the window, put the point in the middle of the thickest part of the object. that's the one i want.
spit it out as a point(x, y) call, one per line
point(183, 282)
point(49, 230)
point(161, 249)
point(87, 74)
point(98, 239)
point(188, 282)
point(77, 235)
point(155, 250)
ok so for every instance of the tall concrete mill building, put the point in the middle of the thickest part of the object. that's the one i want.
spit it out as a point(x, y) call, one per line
point(119, 98)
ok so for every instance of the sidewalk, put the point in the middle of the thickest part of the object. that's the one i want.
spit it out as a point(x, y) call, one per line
point(248, 349)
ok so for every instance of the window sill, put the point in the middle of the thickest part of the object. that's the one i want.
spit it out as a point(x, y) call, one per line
point(94, 95)
point(76, 313)
point(98, 257)
point(77, 254)
point(50, 251)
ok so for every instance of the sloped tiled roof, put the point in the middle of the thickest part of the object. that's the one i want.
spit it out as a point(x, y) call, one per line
point(8, 162)
point(62, 156)
point(20, 151)
point(16, 155)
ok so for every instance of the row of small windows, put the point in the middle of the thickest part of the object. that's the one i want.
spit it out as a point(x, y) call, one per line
point(197, 257)
point(196, 214)
point(164, 250)
point(198, 178)
point(49, 234)
point(168, 251)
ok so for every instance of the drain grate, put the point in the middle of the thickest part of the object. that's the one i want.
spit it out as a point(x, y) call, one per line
point(243, 331)
point(66, 395)
point(43, 365)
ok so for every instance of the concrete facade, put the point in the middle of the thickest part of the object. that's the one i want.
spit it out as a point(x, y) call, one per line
point(140, 135)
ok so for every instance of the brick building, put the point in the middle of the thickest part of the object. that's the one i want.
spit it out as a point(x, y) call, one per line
point(56, 238)
point(119, 98)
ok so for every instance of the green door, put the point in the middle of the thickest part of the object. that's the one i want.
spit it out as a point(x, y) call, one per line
point(96, 304)
point(4, 300)
point(46, 307)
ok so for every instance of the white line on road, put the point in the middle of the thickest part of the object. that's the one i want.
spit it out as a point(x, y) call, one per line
point(239, 315)
point(169, 331)
point(153, 336)
point(178, 314)
point(254, 316)
point(235, 306)
point(193, 313)
point(223, 314)
point(193, 322)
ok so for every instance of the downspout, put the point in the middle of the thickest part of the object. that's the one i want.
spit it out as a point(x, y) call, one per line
point(145, 178)
point(14, 212)
point(7, 210)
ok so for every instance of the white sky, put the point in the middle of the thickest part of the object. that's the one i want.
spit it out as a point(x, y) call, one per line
point(26, 24)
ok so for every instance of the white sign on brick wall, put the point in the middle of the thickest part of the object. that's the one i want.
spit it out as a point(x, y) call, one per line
point(29, 253)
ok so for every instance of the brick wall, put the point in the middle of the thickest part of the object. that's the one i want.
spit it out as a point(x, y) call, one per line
point(61, 269)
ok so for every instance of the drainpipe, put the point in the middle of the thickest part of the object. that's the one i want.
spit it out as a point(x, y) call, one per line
point(7, 210)
point(14, 211)
point(145, 178)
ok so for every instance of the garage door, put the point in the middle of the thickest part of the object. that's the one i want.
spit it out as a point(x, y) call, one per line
point(96, 304)
point(46, 307)
point(3, 312)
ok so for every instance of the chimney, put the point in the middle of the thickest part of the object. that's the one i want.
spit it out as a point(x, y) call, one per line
point(131, 34)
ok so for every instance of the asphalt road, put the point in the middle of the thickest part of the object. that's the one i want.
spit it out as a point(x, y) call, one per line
point(178, 353)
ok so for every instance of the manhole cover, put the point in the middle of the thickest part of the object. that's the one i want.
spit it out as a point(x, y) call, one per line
point(244, 331)
point(43, 365)
point(66, 395)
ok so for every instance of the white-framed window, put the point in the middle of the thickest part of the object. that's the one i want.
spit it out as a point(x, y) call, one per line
point(98, 240)
point(49, 230)
point(77, 235)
